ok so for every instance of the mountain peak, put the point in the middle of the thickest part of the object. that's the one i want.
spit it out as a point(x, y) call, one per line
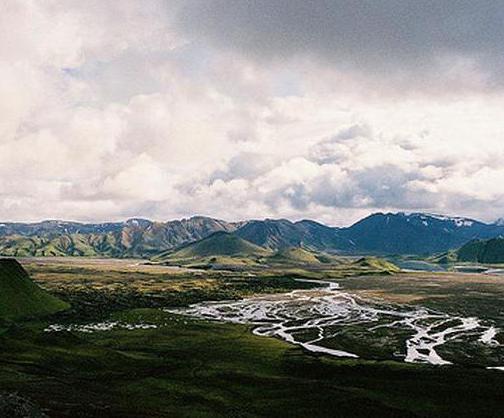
point(140, 222)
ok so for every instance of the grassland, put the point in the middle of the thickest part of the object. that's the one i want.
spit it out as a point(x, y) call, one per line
point(193, 368)
point(465, 294)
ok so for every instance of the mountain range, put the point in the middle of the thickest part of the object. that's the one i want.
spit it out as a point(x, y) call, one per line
point(379, 233)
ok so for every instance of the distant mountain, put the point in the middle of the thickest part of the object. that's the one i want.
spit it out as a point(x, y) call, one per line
point(271, 233)
point(482, 251)
point(416, 233)
point(133, 238)
point(20, 297)
point(277, 234)
point(321, 237)
point(380, 233)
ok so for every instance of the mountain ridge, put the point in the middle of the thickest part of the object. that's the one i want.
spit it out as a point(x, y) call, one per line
point(380, 233)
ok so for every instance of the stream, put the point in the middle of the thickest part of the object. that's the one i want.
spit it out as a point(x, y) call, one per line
point(311, 318)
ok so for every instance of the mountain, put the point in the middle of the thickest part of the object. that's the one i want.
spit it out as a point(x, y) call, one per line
point(219, 244)
point(379, 233)
point(20, 297)
point(499, 222)
point(321, 237)
point(416, 233)
point(133, 238)
point(271, 233)
point(277, 234)
point(482, 251)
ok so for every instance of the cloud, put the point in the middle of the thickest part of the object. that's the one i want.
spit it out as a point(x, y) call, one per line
point(455, 44)
point(111, 110)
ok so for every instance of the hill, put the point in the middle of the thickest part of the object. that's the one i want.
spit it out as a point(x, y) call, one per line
point(482, 251)
point(295, 255)
point(376, 264)
point(217, 244)
point(20, 297)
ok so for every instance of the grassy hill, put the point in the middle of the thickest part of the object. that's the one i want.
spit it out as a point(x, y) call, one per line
point(220, 247)
point(20, 297)
point(295, 255)
point(378, 264)
point(482, 251)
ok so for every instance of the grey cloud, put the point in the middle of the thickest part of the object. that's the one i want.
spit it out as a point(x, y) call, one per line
point(353, 132)
point(385, 38)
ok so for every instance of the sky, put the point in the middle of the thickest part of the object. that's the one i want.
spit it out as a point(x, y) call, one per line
point(236, 109)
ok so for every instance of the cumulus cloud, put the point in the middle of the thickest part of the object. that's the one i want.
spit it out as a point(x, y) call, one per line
point(248, 109)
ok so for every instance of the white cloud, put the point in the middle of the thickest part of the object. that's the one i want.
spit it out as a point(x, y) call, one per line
point(108, 112)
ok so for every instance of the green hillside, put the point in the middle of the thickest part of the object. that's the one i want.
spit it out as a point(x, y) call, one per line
point(217, 244)
point(448, 257)
point(373, 263)
point(295, 255)
point(133, 238)
point(20, 297)
point(482, 251)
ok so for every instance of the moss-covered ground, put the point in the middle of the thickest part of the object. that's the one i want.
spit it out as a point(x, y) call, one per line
point(193, 368)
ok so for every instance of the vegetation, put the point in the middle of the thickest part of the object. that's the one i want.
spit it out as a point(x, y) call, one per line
point(20, 297)
point(133, 238)
point(193, 368)
point(376, 264)
point(217, 244)
point(420, 234)
point(483, 251)
point(296, 255)
point(187, 367)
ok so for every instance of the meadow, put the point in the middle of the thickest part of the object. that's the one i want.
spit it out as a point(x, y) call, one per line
point(195, 368)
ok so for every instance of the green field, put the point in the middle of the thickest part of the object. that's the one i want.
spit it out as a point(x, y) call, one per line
point(195, 368)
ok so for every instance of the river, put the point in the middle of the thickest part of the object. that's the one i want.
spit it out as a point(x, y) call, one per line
point(310, 318)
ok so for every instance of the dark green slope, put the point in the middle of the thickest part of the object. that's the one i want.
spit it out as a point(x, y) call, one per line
point(20, 297)
point(482, 251)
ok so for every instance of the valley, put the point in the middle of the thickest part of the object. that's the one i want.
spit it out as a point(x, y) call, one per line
point(146, 339)
point(331, 321)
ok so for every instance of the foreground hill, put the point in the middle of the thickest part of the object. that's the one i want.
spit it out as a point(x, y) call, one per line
point(20, 297)
point(482, 251)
